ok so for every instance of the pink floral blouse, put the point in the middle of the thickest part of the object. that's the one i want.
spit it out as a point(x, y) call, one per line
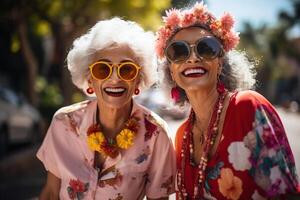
point(147, 168)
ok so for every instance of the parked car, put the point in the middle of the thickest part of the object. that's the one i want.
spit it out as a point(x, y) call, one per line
point(155, 100)
point(19, 121)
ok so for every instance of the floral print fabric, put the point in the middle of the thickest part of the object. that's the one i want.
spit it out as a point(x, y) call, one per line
point(253, 159)
point(146, 168)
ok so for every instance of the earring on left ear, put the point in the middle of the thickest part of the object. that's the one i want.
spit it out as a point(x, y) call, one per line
point(90, 90)
point(136, 91)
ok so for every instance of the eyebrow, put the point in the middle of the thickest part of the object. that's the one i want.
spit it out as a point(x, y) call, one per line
point(107, 60)
point(126, 60)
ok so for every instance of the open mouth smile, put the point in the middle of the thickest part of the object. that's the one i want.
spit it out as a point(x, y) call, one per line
point(115, 91)
point(194, 72)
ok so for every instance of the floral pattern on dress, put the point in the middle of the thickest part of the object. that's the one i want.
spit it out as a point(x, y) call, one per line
point(76, 189)
point(239, 156)
point(144, 156)
point(136, 169)
point(151, 127)
point(230, 186)
point(168, 184)
point(257, 162)
point(268, 158)
point(257, 196)
point(212, 174)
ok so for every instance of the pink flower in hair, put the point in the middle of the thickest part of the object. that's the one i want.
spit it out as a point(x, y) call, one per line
point(187, 19)
point(199, 9)
point(231, 39)
point(203, 19)
point(227, 21)
point(216, 28)
point(159, 47)
point(200, 13)
point(164, 33)
point(172, 17)
point(175, 19)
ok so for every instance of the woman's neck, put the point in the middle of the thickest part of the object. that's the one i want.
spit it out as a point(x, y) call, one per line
point(202, 102)
point(112, 119)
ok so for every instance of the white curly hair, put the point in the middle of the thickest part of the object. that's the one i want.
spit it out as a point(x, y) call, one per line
point(111, 33)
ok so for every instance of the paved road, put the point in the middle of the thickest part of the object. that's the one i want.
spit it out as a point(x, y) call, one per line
point(22, 175)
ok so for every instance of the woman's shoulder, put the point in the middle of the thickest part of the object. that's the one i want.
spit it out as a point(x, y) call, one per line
point(71, 109)
point(248, 99)
point(152, 117)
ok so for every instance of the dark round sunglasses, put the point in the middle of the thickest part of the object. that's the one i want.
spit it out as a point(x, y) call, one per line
point(207, 47)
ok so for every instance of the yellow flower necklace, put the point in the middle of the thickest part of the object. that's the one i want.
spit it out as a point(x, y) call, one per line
point(110, 147)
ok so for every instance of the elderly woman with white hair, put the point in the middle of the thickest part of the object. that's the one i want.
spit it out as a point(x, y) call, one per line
point(109, 147)
point(233, 145)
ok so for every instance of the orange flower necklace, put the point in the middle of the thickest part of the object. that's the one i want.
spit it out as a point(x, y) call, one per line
point(97, 141)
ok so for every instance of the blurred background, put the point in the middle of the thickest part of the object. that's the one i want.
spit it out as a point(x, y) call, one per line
point(35, 36)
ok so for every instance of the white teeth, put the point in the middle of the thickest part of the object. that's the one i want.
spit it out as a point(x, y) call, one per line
point(116, 90)
point(194, 71)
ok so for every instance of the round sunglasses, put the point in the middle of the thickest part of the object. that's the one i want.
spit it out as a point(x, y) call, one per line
point(207, 47)
point(102, 70)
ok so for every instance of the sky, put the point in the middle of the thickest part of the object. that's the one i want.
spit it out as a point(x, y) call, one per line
point(258, 12)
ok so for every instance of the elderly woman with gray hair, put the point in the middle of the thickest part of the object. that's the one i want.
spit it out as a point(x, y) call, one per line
point(233, 145)
point(109, 147)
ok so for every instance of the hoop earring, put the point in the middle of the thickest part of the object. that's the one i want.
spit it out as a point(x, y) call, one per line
point(136, 91)
point(90, 90)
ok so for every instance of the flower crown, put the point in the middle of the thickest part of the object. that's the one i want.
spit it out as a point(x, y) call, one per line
point(198, 15)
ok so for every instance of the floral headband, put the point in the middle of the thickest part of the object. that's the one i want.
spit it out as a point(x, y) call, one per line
point(198, 15)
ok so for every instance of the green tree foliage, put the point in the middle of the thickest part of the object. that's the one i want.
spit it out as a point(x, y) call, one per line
point(276, 52)
point(62, 21)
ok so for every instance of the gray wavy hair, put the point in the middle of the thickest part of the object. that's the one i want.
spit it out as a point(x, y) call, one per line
point(238, 73)
point(113, 33)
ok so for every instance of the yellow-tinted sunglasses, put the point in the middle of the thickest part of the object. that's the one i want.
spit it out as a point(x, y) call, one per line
point(102, 70)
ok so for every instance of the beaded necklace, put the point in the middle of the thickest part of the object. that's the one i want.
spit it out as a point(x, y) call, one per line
point(188, 149)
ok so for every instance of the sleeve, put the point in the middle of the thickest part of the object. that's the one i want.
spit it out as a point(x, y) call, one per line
point(272, 161)
point(162, 170)
point(47, 153)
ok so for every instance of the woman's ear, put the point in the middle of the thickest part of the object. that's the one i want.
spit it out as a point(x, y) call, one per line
point(90, 83)
point(139, 80)
point(171, 72)
point(221, 62)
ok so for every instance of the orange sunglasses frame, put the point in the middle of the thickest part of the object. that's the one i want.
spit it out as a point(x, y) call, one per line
point(111, 65)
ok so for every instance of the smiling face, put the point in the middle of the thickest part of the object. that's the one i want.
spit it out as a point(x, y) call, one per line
point(114, 92)
point(195, 73)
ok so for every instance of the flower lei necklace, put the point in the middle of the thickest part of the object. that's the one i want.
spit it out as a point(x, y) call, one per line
point(186, 153)
point(97, 141)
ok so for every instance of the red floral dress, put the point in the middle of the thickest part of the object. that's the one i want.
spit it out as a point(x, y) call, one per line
point(253, 159)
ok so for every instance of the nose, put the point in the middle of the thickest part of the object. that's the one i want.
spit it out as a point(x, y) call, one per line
point(114, 74)
point(193, 57)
